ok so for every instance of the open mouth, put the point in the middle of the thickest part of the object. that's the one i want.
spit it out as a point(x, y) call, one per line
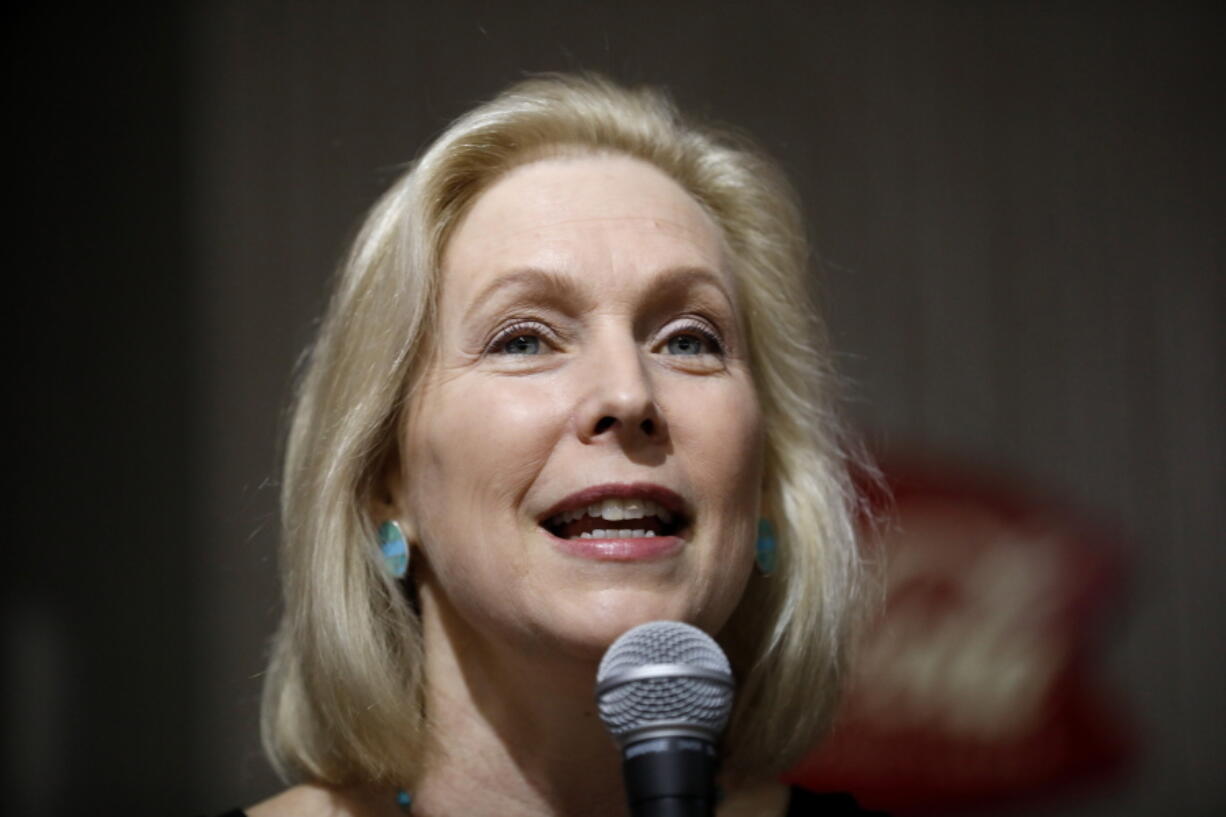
point(616, 518)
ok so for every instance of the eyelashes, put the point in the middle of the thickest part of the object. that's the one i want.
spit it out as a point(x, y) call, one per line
point(688, 336)
point(523, 337)
point(686, 329)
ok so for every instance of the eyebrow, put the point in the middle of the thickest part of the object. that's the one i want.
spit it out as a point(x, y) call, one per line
point(529, 279)
point(557, 286)
point(679, 279)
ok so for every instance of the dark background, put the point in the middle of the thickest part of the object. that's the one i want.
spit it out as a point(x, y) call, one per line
point(1019, 206)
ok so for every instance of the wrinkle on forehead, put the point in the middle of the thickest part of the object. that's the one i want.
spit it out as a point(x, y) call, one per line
point(660, 224)
point(559, 197)
point(605, 233)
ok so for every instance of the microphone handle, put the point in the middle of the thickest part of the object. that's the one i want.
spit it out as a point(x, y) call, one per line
point(670, 777)
point(673, 807)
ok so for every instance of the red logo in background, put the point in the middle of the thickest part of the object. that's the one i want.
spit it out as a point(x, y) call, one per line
point(974, 682)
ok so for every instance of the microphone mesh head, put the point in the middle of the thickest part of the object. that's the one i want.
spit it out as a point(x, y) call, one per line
point(671, 697)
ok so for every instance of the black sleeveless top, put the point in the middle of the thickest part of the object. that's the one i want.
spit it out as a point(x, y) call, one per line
point(802, 803)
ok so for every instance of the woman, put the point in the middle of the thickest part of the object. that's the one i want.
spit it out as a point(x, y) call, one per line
point(571, 363)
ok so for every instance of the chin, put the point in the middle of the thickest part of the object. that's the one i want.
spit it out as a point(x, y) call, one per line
point(588, 623)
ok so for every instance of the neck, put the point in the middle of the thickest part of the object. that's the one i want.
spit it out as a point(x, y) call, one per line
point(513, 733)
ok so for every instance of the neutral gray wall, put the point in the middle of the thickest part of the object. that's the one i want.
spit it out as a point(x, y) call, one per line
point(1018, 206)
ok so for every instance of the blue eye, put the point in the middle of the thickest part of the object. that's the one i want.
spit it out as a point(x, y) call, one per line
point(691, 338)
point(522, 345)
point(686, 345)
point(521, 339)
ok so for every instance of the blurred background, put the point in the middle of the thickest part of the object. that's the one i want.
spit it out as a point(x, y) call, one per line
point(1018, 211)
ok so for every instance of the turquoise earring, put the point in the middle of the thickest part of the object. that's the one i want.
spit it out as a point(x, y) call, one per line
point(766, 555)
point(395, 549)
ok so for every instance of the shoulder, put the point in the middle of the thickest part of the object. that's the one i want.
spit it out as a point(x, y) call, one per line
point(312, 800)
point(306, 800)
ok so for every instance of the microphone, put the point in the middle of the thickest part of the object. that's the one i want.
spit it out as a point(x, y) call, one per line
point(664, 690)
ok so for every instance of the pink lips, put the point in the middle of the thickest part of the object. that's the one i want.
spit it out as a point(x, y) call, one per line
point(620, 550)
point(620, 490)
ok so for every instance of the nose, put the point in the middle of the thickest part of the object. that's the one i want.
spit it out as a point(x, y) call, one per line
point(620, 400)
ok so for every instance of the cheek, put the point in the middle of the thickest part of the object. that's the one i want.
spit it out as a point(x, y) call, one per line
point(724, 445)
point(473, 449)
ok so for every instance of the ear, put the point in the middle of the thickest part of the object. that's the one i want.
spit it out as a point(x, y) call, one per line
point(387, 493)
point(766, 496)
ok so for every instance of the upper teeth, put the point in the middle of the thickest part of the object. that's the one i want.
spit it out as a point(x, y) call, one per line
point(616, 510)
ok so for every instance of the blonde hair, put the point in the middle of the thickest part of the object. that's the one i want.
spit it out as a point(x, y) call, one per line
point(342, 697)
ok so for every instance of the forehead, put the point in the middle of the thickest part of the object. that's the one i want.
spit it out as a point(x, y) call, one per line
point(573, 215)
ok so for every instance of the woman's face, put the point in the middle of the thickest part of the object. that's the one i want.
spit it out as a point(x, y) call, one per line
point(584, 452)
